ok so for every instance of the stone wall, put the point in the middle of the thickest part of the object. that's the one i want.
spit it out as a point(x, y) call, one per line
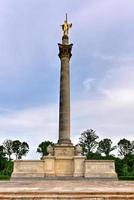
point(100, 169)
point(28, 168)
point(75, 166)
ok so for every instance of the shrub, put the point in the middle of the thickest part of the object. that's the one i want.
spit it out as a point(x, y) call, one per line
point(8, 168)
point(128, 178)
point(4, 177)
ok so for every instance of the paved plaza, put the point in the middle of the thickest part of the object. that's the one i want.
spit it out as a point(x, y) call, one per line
point(67, 189)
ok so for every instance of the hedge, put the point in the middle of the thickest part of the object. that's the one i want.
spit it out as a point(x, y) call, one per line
point(4, 177)
point(129, 178)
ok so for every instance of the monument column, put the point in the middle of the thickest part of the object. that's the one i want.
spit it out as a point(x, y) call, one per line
point(64, 107)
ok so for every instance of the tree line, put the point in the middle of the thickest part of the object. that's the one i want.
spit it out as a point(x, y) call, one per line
point(16, 148)
point(103, 149)
point(89, 143)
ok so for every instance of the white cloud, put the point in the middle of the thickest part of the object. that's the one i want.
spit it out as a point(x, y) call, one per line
point(88, 83)
point(121, 96)
point(108, 117)
point(32, 125)
point(111, 112)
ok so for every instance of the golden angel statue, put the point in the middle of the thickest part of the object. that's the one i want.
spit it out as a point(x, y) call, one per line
point(66, 27)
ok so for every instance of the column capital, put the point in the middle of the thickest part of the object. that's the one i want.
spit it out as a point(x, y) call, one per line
point(65, 50)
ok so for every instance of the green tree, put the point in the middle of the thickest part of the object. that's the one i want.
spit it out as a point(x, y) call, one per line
point(129, 162)
point(88, 141)
point(125, 147)
point(119, 166)
point(105, 146)
point(3, 159)
point(24, 149)
point(94, 156)
point(42, 148)
point(132, 147)
point(8, 169)
point(8, 144)
point(20, 148)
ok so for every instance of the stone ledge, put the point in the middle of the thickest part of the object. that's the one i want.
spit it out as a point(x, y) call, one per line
point(27, 175)
point(63, 158)
point(38, 161)
point(71, 190)
point(105, 161)
point(63, 196)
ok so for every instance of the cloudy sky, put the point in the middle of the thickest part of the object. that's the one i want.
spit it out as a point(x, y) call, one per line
point(102, 69)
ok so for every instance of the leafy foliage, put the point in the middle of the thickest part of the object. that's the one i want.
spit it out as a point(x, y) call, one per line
point(105, 146)
point(3, 159)
point(128, 178)
point(88, 141)
point(125, 147)
point(4, 177)
point(42, 148)
point(8, 168)
point(8, 144)
point(129, 162)
point(20, 148)
point(119, 166)
point(94, 156)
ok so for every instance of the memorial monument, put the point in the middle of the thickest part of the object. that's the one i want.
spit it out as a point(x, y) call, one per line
point(64, 159)
point(64, 107)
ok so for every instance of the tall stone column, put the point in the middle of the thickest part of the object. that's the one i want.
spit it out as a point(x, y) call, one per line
point(64, 107)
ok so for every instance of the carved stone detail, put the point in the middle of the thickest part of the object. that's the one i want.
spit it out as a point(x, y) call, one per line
point(50, 150)
point(78, 150)
point(65, 50)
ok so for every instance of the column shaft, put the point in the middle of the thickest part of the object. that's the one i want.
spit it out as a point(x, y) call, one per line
point(64, 109)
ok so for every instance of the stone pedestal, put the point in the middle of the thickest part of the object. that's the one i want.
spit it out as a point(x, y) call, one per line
point(63, 150)
point(64, 163)
point(100, 169)
point(61, 163)
point(49, 166)
point(64, 166)
point(79, 166)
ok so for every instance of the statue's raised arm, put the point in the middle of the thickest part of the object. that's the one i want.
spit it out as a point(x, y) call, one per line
point(65, 27)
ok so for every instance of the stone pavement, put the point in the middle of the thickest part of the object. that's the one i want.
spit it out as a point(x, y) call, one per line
point(67, 189)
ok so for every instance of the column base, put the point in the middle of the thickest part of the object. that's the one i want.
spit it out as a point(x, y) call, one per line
point(65, 142)
point(64, 150)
